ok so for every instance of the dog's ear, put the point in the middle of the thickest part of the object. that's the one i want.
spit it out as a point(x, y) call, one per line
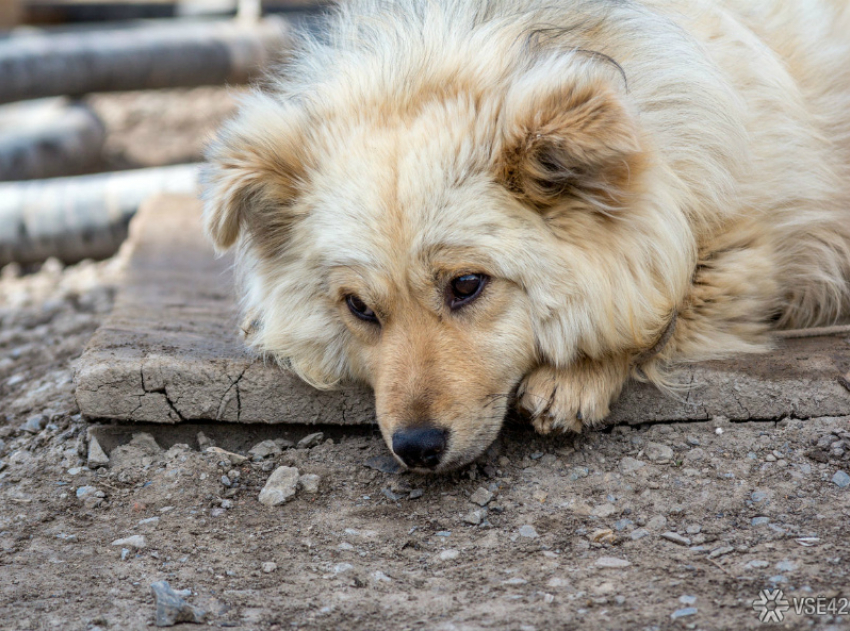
point(255, 169)
point(569, 139)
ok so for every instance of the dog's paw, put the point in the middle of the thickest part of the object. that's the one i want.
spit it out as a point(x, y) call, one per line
point(568, 399)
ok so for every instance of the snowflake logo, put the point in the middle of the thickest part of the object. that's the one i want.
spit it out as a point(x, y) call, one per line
point(771, 605)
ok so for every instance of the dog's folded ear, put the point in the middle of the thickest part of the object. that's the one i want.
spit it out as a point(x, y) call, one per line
point(255, 167)
point(567, 134)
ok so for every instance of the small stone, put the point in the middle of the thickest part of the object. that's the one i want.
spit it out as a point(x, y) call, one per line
point(474, 517)
point(449, 555)
point(603, 535)
point(693, 529)
point(135, 541)
point(578, 473)
point(760, 521)
point(696, 454)
point(687, 611)
point(269, 567)
point(639, 533)
point(629, 465)
point(310, 440)
point(217, 512)
point(85, 491)
point(676, 538)
point(786, 566)
point(528, 531)
point(96, 456)
point(380, 577)
point(34, 423)
point(309, 483)
point(687, 600)
point(415, 494)
point(516, 580)
point(482, 496)
point(150, 521)
point(659, 522)
point(612, 563)
point(841, 479)
point(226, 481)
point(171, 608)
point(604, 510)
point(622, 524)
point(390, 495)
point(264, 449)
point(234, 459)
point(658, 453)
point(384, 464)
point(718, 552)
point(770, 458)
point(757, 564)
point(203, 441)
point(280, 486)
point(226, 504)
point(693, 441)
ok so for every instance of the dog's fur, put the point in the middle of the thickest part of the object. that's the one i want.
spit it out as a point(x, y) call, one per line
point(607, 163)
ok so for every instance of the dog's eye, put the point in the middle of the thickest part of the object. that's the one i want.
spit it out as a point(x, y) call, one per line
point(464, 289)
point(359, 309)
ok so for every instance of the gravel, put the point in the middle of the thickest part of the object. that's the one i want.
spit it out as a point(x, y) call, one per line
point(171, 608)
point(676, 538)
point(138, 542)
point(841, 479)
point(481, 496)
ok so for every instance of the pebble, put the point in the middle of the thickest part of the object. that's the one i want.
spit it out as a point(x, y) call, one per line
point(264, 449)
point(449, 555)
point(415, 494)
point(687, 611)
point(309, 483)
point(629, 465)
point(786, 566)
point(640, 533)
point(687, 600)
point(760, 521)
point(380, 577)
point(578, 472)
point(770, 458)
point(310, 440)
point(226, 481)
point(482, 496)
point(171, 608)
point(96, 456)
point(693, 529)
point(658, 453)
point(757, 564)
point(226, 504)
point(675, 537)
point(528, 531)
point(384, 464)
point(474, 517)
point(659, 522)
point(150, 521)
point(604, 510)
point(696, 454)
point(85, 491)
point(611, 563)
point(235, 459)
point(841, 479)
point(34, 424)
point(217, 512)
point(135, 541)
point(693, 441)
point(269, 567)
point(718, 552)
point(280, 486)
point(622, 524)
point(393, 497)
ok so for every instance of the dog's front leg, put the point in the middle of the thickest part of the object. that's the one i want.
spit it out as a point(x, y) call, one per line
point(566, 399)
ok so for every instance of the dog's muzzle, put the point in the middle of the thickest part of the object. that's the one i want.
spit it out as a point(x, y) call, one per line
point(420, 447)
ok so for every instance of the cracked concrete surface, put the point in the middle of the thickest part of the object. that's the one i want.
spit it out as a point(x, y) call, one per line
point(170, 352)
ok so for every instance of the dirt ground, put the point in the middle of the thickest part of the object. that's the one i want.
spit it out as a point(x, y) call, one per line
point(632, 527)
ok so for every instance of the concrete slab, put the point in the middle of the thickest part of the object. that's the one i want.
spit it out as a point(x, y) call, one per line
point(170, 352)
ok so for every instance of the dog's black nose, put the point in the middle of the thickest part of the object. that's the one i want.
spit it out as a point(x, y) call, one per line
point(420, 447)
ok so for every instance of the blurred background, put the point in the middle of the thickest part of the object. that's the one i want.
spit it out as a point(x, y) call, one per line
point(106, 102)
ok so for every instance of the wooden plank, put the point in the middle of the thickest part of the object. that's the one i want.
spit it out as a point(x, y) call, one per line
point(170, 352)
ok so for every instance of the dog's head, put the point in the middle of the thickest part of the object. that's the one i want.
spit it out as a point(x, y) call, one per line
point(440, 241)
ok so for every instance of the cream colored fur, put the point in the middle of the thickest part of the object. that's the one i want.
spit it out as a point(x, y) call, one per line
point(606, 163)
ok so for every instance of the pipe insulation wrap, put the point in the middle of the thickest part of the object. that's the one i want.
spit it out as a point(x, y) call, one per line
point(174, 54)
point(80, 217)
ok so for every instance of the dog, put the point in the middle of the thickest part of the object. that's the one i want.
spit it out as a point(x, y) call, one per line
point(474, 204)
